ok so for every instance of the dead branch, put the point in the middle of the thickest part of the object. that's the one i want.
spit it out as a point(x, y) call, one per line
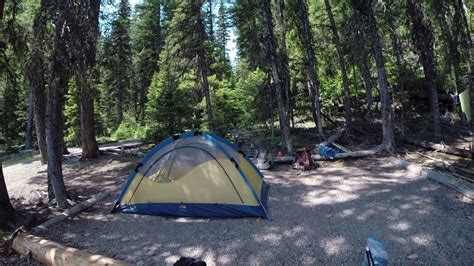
point(72, 211)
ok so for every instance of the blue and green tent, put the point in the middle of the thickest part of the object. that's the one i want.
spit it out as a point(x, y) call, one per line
point(197, 175)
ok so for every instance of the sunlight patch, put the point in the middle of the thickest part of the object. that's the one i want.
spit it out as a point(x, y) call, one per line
point(422, 239)
point(333, 246)
point(401, 226)
point(329, 197)
point(191, 251)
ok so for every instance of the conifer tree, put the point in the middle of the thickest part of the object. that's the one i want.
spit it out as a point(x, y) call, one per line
point(146, 42)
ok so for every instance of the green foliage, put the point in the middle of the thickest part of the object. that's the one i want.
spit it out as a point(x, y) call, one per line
point(115, 59)
point(72, 114)
point(253, 85)
point(14, 37)
point(170, 102)
point(146, 44)
point(128, 129)
point(147, 63)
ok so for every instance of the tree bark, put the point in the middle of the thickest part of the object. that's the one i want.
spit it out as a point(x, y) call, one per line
point(86, 31)
point(29, 123)
point(314, 84)
point(271, 45)
point(363, 59)
point(7, 213)
point(283, 55)
point(203, 68)
point(388, 140)
point(422, 36)
point(58, 80)
point(400, 72)
point(342, 64)
point(36, 77)
point(52, 253)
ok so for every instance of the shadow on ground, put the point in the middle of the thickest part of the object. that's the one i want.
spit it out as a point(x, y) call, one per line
point(322, 216)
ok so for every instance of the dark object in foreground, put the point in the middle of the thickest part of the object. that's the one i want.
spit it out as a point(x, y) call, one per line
point(185, 261)
point(303, 160)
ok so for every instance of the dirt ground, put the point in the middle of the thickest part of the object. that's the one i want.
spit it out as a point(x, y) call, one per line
point(322, 216)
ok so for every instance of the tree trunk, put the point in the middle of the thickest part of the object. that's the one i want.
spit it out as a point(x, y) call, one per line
point(400, 72)
point(453, 53)
point(36, 77)
point(285, 77)
point(464, 35)
point(203, 68)
point(86, 25)
point(422, 36)
point(210, 16)
point(271, 45)
point(7, 213)
point(388, 142)
point(29, 124)
point(57, 84)
point(314, 84)
point(342, 64)
point(363, 61)
point(120, 99)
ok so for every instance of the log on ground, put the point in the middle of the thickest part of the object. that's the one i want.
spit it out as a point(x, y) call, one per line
point(350, 155)
point(460, 186)
point(52, 253)
point(441, 148)
point(72, 211)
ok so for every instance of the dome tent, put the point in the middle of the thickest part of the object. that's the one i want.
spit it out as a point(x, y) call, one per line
point(197, 175)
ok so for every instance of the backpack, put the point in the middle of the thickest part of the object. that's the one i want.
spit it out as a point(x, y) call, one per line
point(303, 160)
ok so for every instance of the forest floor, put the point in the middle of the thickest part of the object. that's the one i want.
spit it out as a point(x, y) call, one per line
point(319, 216)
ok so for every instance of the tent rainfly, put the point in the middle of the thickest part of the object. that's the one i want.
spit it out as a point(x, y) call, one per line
point(195, 174)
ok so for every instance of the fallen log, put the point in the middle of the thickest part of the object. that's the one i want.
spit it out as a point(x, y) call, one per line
point(71, 212)
point(52, 253)
point(283, 159)
point(440, 147)
point(348, 155)
point(460, 186)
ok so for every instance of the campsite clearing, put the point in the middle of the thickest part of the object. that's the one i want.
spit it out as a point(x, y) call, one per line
point(319, 216)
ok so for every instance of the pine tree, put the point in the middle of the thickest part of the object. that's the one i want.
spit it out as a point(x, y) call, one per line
point(119, 60)
point(36, 76)
point(146, 44)
point(314, 83)
point(276, 73)
point(84, 34)
point(364, 8)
